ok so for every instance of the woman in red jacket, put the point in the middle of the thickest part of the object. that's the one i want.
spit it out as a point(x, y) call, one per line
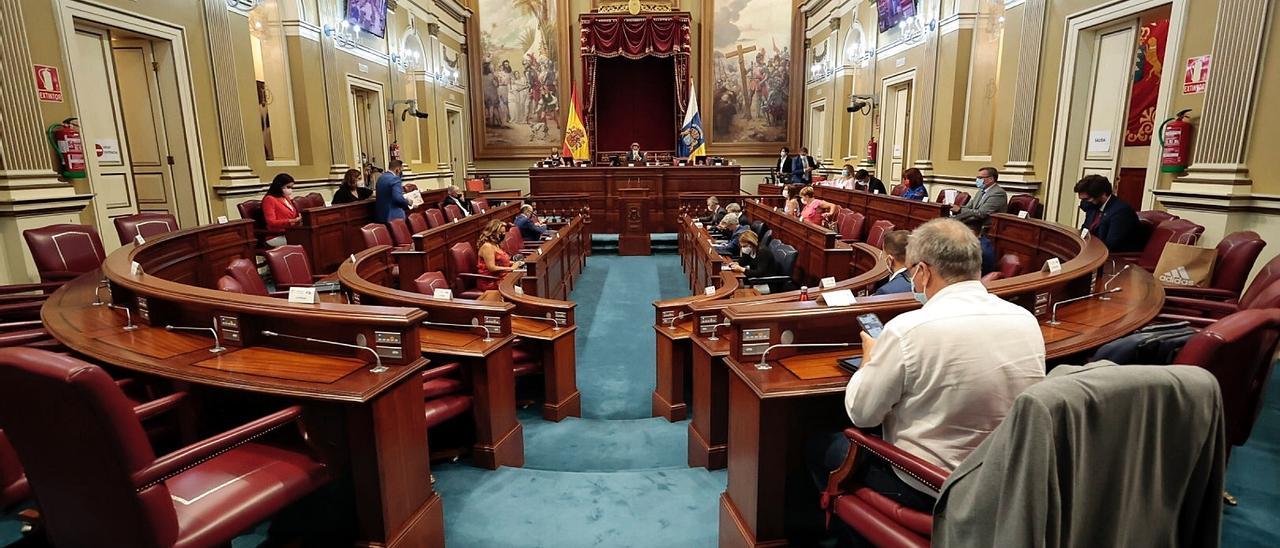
point(277, 206)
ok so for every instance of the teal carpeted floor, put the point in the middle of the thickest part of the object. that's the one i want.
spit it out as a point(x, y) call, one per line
point(618, 478)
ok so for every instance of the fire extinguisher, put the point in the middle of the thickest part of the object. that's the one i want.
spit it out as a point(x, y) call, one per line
point(872, 148)
point(395, 151)
point(1175, 143)
point(66, 143)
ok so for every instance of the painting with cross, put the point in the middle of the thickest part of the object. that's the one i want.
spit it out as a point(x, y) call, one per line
point(750, 71)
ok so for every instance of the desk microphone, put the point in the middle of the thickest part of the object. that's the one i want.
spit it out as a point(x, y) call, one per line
point(1053, 319)
point(488, 335)
point(128, 315)
point(716, 327)
point(671, 322)
point(377, 368)
point(764, 364)
point(554, 322)
point(1107, 286)
point(97, 292)
point(217, 346)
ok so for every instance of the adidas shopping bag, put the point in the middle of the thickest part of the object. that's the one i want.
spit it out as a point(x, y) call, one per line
point(1185, 265)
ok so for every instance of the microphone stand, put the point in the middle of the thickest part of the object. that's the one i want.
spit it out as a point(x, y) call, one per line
point(128, 315)
point(764, 364)
point(377, 368)
point(217, 346)
point(1053, 320)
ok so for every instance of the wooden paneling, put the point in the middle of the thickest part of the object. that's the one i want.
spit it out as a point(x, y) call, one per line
point(665, 184)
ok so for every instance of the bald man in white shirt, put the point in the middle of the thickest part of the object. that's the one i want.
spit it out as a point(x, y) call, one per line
point(939, 379)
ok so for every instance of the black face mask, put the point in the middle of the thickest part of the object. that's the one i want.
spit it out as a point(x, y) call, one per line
point(1087, 206)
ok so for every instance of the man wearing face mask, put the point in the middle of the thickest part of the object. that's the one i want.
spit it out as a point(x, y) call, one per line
point(865, 182)
point(939, 379)
point(895, 246)
point(990, 198)
point(1107, 217)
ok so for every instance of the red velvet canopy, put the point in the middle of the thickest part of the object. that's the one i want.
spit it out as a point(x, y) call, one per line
point(634, 37)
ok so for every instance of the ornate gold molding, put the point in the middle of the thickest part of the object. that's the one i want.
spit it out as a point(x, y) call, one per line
point(636, 7)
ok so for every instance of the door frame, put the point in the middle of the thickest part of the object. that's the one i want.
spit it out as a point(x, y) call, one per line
point(380, 135)
point(1084, 25)
point(886, 153)
point(459, 175)
point(68, 11)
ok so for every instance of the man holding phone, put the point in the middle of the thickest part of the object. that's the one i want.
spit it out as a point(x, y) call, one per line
point(939, 379)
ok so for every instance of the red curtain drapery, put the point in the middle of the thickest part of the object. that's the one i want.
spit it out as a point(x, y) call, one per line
point(634, 37)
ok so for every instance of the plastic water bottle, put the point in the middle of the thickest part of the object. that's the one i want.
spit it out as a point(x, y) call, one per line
point(804, 293)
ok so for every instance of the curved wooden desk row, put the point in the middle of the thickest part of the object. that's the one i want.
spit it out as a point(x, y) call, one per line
point(368, 424)
point(322, 227)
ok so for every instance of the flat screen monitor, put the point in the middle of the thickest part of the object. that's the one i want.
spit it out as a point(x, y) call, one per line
point(370, 15)
point(892, 12)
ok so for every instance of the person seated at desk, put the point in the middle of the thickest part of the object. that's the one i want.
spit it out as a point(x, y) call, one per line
point(730, 226)
point(914, 181)
point(635, 155)
point(895, 246)
point(815, 211)
point(791, 200)
point(862, 180)
point(1107, 217)
point(714, 212)
point(491, 260)
point(938, 379)
point(389, 201)
point(991, 198)
point(351, 190)
point(753, 261)
point(734, 209)
point(529, 230)
point(278, 210)
point(554, 160)
point(455, 197)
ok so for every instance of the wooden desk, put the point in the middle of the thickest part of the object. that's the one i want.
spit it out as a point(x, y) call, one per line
point(819, 251)
point(903, 213)
point(369, 426)
point(551, 271)
point(664, 183)
point(549, 324)
point(433, 245)
point(328, 232)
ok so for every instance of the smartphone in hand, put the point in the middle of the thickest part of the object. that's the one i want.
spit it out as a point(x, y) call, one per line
point(871, 324)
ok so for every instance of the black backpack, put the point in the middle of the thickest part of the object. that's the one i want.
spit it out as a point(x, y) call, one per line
point(1152, 345)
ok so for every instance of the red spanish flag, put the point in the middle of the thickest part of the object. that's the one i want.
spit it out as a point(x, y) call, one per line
point(575, 133)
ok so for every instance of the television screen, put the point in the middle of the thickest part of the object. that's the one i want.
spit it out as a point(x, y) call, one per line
point(891, 12)
point(369, 15)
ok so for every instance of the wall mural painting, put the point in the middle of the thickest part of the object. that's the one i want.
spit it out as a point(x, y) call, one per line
point(518, 93)
point(751, 64)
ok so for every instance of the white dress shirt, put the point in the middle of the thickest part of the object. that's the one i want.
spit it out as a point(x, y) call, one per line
point(941, 378)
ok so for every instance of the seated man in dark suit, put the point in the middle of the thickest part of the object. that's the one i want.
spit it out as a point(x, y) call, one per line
point(754, 262)
point(714, 212)
point(862, 180)
point(529, 230)
point(1107, 217)
point(975, 223)
point(729, 226)
point(895, 246)
point(635, 155)
point(455, 197)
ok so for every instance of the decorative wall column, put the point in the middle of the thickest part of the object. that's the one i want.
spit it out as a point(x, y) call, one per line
point(1225, 125)
point(1019, 167)
point(31, 195)
point(235, 161)
point(928, 87)
point(335, 97)
point(834, 112)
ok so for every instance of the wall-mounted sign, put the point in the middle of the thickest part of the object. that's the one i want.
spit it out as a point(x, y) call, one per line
point(48, 85)
point(1196, 78)
point(107, 151)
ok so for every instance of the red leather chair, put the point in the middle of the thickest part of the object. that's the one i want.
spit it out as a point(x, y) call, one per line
point(429, 282)
point(898, 190)
point(434, 218)
point(22, 302)
point(462, 258)
point(65, 251)
point(1012, 264)
point(1175, 230)
point(229, 284)
point(962, 198)
point(1027, 203)
point(400, 233)
point(875, 235)
point(1238, 350)
point(1263, 293)
point(245, 274)
point(375, 234)
point(13, 481)
point(252, 209)
point(453, 212)
point(480, 204)
point(104, 486)
point(418, 222)
point(290, 267)
point(876, 517)
point(444, 395)
point(311, 200)
point(1150, 219)
point(1235, 257)
point(513, 242)
point(146, 224)
point(850, 226)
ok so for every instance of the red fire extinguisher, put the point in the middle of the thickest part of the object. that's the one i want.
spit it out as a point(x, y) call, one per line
point(66, 143)
point(872, 148)
point(1175, 143)
point(395, 151)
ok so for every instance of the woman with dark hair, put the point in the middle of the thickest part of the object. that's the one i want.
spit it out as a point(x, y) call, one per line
point(351, 189)
point(277, 206)
point(914, 181)
point(791, 199)
point(491, 260)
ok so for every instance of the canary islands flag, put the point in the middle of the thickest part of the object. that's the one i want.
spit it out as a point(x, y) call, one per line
point(692, 142)
point(575, 134)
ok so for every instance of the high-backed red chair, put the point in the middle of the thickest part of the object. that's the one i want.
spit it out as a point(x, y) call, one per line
point(462, 258)
point(14, 488)
point(850, 226)
point(1238, 350)
point(290, 266)
point(875, 234)
point(444, 394)
point(375, 234)
point(252, 210)
point(434, 218)
point(1012, 264)
point(146, 224)
point(313, 199)
point(877, 518)
point(1231, 267)
point(962, 197)
point(65, 251)
point(1263, 293)
point(229, 284)
point(429, 282)
point(1174, 230)
point(104, 486)
point(1027, 203)
point(513, 242)
point(418, 222)
point(453, 212)
point(1150, 219)
point(480, 204)
point(401, 236)
point(245, 273)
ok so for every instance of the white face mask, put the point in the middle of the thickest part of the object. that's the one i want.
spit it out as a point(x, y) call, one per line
point(749, 251)
point(287, 191)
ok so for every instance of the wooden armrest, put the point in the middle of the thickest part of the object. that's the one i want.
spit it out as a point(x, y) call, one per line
point(1193, 321)
point(154, 407)
point(478, 276)
point(1214, 308)
point(1203, 293)
point(170, 465)
point(927, 472)
point(44, 287)
point(441, 371)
